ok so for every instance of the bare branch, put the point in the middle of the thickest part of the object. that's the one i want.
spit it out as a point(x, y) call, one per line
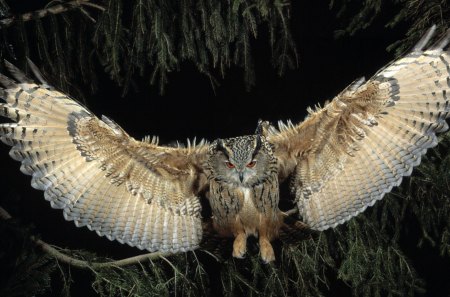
point(82, 264)
point(54, 9)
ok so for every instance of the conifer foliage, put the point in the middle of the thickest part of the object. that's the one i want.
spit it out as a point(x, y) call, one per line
point(417, 14)
point(150, 38)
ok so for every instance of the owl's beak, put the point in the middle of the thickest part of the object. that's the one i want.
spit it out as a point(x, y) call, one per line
point(241, 176)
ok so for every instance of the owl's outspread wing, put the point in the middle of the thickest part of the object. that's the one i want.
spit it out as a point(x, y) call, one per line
point(347, 155)
point(135, 192)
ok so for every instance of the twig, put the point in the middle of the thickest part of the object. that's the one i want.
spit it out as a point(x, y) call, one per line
point(47, 248)
point(87, 3)
point(54, 9)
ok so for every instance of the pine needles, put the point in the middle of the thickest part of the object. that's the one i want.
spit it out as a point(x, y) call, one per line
point(418, 14)
point(25, 270)
point(130, 37)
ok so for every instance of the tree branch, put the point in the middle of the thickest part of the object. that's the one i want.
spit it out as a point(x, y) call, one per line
point(82, 264)
point(55, 9)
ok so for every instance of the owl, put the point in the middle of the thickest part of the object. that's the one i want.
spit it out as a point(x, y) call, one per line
point(341, 159)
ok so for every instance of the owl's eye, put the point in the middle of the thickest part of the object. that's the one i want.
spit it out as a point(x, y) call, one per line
point(229, 164)
point(251, 164)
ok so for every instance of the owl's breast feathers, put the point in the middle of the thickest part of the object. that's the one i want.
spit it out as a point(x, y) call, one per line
point(245, 209)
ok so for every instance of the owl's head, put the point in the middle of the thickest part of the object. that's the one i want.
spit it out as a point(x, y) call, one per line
point(244, 161)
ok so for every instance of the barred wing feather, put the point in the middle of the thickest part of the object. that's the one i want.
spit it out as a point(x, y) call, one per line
point(135, 192)
point(347, 155)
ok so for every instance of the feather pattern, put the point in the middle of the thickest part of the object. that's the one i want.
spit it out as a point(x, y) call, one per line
point(347, 155)
point(134, 192)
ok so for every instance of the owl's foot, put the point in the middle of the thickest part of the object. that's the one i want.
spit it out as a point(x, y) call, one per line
point(240, 246)
point(266, 250)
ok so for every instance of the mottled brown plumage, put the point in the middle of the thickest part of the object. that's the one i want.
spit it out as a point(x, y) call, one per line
point(244, 198)
point(340, 160)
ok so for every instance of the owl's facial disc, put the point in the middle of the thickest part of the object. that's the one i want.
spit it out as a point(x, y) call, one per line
point(243, 172)
point(239, 160)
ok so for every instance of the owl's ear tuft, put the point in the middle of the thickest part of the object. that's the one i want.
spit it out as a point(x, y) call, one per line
point(220, 147)
point(257, 145)
point(262, 128)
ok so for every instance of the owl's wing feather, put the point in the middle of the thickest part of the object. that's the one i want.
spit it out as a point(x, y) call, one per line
point(135, 192)
point(347, 155)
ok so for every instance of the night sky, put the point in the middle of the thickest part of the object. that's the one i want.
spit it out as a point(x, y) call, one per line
point(191, 108)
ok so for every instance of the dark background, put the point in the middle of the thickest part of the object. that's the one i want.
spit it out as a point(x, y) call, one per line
point(190, 108)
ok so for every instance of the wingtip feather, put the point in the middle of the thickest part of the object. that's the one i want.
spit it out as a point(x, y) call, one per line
point(16, 73)
point(442, 42)
point(37, 74)
point(425, 39)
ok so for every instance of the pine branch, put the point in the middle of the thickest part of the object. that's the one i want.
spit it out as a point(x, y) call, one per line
point(55, 9)
point(95, 265)
point(54, 252)
point(148, 38)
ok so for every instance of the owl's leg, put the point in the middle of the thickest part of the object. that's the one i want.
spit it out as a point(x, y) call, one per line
point(266, 249)
point(240, 245)
point(268, 230)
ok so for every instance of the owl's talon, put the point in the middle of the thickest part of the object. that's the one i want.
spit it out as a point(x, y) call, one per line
point(239, 256)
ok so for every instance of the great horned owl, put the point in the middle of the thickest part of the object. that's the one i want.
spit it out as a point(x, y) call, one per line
point(340, 159)
point(244, 194)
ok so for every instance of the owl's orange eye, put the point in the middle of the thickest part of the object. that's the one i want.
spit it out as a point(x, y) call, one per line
point(251, 164)
point(229, 164)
